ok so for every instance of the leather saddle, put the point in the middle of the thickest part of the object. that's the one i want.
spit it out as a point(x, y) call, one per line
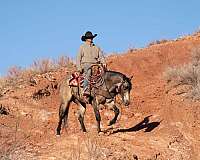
point(77, 78)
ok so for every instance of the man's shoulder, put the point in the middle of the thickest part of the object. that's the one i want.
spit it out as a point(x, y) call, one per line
point(93, 45)
point(82, 45)
point(96, 46)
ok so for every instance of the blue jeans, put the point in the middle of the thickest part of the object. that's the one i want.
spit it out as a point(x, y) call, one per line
point(87, 71)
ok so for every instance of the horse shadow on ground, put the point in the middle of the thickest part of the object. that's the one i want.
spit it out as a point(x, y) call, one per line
point(144, 124)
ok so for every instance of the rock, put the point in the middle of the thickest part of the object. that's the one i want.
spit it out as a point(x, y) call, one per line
point(3, 110)
point(135, 157)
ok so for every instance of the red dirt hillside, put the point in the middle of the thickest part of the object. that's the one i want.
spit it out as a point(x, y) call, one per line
point(158, 125)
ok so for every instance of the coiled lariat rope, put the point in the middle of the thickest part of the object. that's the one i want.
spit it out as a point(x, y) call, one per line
point(98, 83)
point(97, 80)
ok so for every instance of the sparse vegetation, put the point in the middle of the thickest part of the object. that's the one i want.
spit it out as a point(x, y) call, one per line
point(14, 71)
point(158, 42)
point(197, 31)
point(88, 147)
point(12, 142)
point(47, 65)
point(64, 61)
point(43, 66)
point(17, 76)
point(187, 75)
point(40, 67)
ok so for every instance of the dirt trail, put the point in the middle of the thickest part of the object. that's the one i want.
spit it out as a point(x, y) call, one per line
point(156, 126)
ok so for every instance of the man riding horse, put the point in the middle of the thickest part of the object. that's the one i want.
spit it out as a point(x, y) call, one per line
point(102, 93)
point(88, 55)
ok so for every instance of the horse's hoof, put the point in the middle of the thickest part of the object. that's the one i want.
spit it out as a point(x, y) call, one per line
point(84, 130)
point(108, 133)
point(57, 135)
point(100, 133)
point(111, 123)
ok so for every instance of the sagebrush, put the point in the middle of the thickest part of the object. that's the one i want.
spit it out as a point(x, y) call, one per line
point(187, 75)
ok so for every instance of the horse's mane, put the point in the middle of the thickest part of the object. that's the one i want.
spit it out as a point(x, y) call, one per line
point(115, 72)
point(119, 73)
point(122, 75)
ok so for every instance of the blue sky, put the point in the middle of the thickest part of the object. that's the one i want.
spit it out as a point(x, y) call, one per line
point(37, 29)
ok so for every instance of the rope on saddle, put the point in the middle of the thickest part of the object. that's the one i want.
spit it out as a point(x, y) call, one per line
point(96, 79)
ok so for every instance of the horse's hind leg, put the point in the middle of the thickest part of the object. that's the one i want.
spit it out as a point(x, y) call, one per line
point(63, 114)
point(97, 114)
point(81, 113)
point(114, 108)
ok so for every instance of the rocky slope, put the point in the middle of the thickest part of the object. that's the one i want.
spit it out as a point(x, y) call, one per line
point(158, 125)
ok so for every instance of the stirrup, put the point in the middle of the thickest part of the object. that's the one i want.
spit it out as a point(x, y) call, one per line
point(86, 93)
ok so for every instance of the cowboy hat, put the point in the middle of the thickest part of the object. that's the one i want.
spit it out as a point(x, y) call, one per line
point(88, 35)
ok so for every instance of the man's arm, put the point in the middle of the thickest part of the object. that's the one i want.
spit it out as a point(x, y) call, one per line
point(79, 59)
point(101, 57)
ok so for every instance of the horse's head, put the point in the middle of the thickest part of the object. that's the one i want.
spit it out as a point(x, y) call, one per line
point(125, 89)
point(118, 83)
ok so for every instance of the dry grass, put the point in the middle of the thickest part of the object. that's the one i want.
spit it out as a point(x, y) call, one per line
point(17, 76)
point(197, 31)
point(43, 66)
point(93, 148)
point(40, 67)
point(157, 42)
point(13, 141)
point(64, 61)
point(14, 71)
point(187, 74)
point(47, 65)
point(87, 148)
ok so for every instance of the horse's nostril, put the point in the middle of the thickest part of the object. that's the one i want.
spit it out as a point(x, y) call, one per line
point(126, 103)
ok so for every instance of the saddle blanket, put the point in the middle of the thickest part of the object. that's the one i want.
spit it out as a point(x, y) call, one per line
point(76, 79)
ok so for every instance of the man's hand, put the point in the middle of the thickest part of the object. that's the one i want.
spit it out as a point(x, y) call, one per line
point(104, 66)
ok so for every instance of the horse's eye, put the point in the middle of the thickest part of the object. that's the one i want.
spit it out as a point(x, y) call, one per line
point(125, 87)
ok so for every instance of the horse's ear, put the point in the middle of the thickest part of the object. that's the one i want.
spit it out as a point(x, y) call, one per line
point(131, 77)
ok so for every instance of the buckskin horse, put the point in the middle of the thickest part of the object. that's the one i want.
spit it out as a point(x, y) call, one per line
point(114, 83)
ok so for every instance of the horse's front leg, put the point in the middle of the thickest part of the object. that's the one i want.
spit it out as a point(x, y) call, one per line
point(97, 114)
point(112, 106)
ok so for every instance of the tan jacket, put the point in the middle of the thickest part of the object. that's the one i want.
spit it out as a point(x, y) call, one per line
point(89, 54)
